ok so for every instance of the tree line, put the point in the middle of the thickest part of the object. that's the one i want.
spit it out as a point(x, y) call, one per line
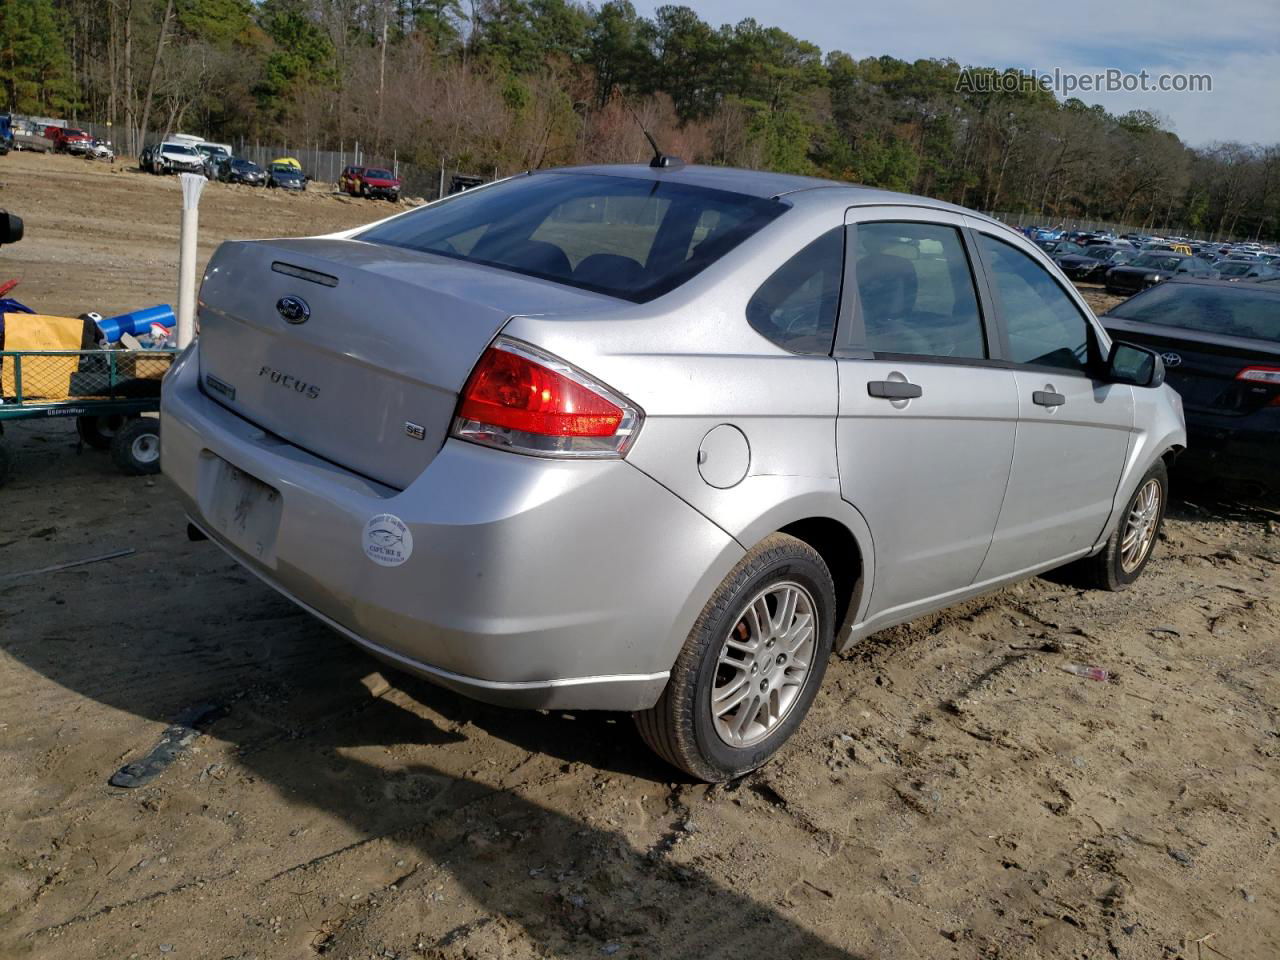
point(512, 84)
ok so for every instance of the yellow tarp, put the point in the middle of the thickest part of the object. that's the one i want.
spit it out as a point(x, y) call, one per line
point(43, 378)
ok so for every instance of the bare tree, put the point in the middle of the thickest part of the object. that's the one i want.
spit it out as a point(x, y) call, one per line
point(149, 95)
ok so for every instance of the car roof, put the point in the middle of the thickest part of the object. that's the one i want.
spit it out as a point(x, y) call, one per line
point(764, 184)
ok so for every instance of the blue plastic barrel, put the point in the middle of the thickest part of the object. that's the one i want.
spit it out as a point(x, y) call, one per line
point(137, 322)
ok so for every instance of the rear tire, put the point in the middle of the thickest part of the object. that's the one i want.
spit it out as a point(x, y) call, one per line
point(136, 448)
point(1129, 548)
point(751, 665)
point(98, 432)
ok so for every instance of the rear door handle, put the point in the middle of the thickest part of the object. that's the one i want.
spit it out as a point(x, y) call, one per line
point(894, 389)
point(1046, 398)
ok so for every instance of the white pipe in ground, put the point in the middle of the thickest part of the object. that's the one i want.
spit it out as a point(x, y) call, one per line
point(192, 185)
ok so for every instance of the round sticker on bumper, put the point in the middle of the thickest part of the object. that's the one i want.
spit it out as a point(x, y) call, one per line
point(388, 542)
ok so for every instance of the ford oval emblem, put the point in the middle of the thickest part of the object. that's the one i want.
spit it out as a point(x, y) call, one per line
point(293, 309)
point(1170, 359)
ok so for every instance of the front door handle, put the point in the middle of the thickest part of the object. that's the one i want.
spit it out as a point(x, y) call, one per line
point(894, 389)
point(1047, 398)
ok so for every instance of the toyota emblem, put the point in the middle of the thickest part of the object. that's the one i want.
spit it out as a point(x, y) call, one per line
point(1171, 359)
point(293, 309)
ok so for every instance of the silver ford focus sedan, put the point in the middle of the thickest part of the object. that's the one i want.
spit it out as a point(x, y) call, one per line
point(660, 438)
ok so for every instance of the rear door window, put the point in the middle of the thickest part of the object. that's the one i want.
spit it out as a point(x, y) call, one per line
point(915, 291)
point(632, 238)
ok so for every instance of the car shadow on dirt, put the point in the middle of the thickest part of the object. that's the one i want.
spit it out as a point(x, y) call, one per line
point(301, 720)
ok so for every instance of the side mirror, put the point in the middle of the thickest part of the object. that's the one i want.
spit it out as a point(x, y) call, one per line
point(1134, 365)
point(10, 227)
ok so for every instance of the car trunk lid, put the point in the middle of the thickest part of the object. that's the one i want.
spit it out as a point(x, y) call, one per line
point(1207, 365)
point(352, 351)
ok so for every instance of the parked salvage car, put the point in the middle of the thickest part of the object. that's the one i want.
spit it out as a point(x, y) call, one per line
point(486, 441)
point(1092, 265)
point(101, 150)
point(1251, 269)
point(1150, 267)
point(349, 178)
point(370, 182)
point(1220, 343)
point(213, 154)
point(172, 157)
point(1060, 248)
point(240, 170)
point(285, 176)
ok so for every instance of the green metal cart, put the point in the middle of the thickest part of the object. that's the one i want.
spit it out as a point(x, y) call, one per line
point(107, 391)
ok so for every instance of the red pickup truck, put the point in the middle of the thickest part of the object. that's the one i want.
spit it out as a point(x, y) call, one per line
point(69, 139)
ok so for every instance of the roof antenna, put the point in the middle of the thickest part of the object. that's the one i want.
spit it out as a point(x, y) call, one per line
point(660, 160)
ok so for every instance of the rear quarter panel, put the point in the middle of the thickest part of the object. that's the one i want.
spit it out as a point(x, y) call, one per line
point(692, 362)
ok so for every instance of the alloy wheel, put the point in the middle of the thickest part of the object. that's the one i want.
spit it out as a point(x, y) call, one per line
point(763, 664)
point(1140, 526)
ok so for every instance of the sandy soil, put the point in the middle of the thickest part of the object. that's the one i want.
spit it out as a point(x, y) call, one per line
point(954, 793)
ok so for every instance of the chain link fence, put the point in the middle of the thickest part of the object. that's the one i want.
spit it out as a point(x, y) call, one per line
point(323, 164)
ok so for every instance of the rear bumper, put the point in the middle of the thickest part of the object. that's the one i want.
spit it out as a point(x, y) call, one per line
point(1243, 449)
point(533, 583)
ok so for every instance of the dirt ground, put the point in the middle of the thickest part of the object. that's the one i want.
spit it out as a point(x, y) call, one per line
point(954, 793)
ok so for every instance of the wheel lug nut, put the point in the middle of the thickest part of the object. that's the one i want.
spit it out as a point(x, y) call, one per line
point(782, 658)
point(764, 684)
point(755, 668)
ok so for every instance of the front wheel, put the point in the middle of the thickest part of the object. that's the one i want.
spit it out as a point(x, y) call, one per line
point(751, 665)
point(1129, 548)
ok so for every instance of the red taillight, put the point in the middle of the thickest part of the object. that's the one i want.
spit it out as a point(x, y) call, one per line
point(522, 399)
point(1268, 375)
point(1263, 376)
point(511, 391)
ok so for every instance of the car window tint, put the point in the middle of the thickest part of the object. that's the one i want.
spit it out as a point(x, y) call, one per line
point(1044, 326)
point(796, 307)
point(915, 291)
point(617, 226)
point(629, 237)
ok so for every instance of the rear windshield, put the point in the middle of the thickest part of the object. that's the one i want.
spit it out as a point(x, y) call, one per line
point(629, 238)
point(1232, 310)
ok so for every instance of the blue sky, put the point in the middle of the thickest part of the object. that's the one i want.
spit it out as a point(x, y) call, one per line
point(1237, 43)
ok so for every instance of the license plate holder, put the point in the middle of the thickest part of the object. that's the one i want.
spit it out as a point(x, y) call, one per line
point(242, 509)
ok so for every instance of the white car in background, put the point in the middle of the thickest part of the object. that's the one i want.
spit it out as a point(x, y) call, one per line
point(174, 157)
